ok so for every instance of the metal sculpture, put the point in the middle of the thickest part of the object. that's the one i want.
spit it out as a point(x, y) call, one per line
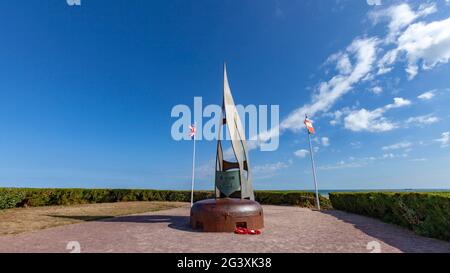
point(233, 179)
point(234, 205)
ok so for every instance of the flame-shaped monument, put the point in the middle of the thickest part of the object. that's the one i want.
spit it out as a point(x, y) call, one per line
point(234, 205)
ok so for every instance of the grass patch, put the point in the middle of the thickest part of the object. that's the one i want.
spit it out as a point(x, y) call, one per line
point(18, 220)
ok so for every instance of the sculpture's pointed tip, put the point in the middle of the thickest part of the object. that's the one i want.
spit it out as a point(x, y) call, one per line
point(225, 69)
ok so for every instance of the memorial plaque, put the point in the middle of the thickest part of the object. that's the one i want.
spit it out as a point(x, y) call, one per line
point(228, 182)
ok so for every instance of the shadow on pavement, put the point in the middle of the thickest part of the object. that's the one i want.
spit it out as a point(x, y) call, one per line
point(393, 235)
point(175, 222)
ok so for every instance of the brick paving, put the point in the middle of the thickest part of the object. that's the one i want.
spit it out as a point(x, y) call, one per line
point(287, 229)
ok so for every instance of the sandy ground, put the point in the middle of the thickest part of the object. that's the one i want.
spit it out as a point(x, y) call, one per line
point(287, 229)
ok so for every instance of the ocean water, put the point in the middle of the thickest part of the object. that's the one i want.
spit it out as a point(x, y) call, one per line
point(327, 191)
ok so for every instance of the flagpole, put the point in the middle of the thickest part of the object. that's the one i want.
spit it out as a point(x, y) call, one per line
point(313, 170)
point(193, 174)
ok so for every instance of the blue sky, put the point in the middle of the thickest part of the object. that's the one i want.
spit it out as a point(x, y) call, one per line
point(86, 91)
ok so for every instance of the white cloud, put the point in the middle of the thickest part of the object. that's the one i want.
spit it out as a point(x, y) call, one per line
point(400, 16)
point(422, 120)
point(444, 139)
point(344, 66)
point(427, 95)
point(418, 159)
point(205, 171)
point(422, 44)
point(427, 42)
point(398, 102)
point(377, 90)
point(363, 51)
point(396, 146)
point(337, 115)
point(391, 156)
point(373, 121)
point(325, 141)
point(341, 165)
point(356, 144)
point(357, 162)
point(270, 169)
point(301, 153)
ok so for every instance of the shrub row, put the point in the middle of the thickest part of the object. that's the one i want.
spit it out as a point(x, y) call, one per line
point(21, 197)
point(292, 198)
point(427, 214)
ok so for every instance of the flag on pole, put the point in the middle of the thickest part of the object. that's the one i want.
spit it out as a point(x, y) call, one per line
point(193, 130)
point(309, 126)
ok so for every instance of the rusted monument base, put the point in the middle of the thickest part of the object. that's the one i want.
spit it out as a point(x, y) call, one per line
point(225, 214)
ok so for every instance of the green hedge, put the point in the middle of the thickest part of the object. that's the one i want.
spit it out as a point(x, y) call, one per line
point(427, 214)
point(20, 197)
point(293, 198)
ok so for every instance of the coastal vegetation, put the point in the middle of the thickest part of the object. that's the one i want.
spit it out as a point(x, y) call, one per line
point(31, 197)
point(427, 214)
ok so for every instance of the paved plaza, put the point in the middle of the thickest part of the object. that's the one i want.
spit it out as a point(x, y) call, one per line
point(287, 229)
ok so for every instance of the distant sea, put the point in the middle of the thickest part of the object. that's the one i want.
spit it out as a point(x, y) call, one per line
point(326, 192)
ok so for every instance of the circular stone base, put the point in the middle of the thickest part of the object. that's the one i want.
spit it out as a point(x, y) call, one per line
point(225, 214)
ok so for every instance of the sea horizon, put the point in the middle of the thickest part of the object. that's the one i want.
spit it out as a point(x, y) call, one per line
point(323, 192)
point(326, 192)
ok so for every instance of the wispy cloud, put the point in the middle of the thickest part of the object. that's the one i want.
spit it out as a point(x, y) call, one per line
point(373, 121)
point(424, 43)
point(444, 139)
point(396, 146)
point(376, 90)
point(427, 95)
point(418, 159)
point(422, 120)
point(392, 155)
point(420, 43)
point(270, 169)
point(342, 165)
point(363, 51)
point(359, 162)
point(400, 16)
point(301, 153)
